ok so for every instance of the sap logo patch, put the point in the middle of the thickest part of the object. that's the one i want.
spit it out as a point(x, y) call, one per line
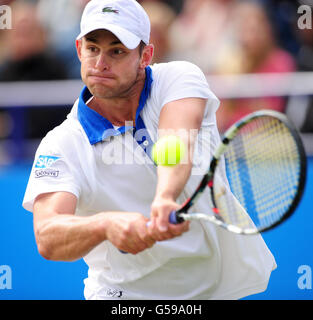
point(43, 167)
point(44, 162)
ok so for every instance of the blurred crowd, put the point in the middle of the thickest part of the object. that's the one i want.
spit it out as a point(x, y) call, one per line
point(220, 36)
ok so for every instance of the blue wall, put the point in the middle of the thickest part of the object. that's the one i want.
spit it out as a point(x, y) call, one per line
point(35, 278)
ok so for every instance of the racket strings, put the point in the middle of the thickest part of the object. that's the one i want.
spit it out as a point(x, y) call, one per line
point(263, 168)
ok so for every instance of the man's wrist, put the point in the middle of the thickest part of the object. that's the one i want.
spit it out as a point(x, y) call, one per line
point(100, 224)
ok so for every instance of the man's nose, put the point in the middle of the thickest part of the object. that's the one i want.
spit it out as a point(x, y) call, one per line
point(102, 62)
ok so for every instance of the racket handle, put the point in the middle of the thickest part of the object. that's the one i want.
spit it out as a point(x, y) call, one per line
point(174, 218)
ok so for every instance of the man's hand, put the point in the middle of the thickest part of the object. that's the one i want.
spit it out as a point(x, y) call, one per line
point(159, 227)
point(128, 231)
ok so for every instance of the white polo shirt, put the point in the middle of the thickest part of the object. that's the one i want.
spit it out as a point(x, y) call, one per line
point(109, 169)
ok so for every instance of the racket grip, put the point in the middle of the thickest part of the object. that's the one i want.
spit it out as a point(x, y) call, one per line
point(173, 218)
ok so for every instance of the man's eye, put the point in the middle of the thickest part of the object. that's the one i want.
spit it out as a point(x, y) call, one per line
point(118, 51)
point(92, 49)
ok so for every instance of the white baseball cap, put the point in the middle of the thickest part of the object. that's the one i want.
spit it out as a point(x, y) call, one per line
point(126, 19)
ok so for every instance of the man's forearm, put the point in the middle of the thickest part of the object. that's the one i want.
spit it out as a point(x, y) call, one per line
point(172, 180)
point(68, 238)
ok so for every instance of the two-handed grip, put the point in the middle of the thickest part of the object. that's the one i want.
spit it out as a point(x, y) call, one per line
point(173, 219)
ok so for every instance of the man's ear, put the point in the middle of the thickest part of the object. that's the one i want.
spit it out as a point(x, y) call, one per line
point(147, 55)
point(79, 48)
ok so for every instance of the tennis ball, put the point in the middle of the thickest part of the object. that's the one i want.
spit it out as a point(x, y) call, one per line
point(168, 151)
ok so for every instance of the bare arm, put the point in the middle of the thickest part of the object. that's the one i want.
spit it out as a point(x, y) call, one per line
point(60, 235)
point(183, 118)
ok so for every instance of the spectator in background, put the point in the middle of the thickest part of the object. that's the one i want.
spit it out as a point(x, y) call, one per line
point(257, 52)
point(300, 109)
point(283, 15)
point(27, 57)
point(61, 19)
point(176, 5)
point(202, 32)
point(305, 56)
point(305, 63)
point(161, 17)
point(3, 49)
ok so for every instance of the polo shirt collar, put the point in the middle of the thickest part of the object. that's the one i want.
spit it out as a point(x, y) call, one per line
point(98, 128)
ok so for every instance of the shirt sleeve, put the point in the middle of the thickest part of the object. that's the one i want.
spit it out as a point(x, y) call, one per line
point(180, 79)
point(51, 172)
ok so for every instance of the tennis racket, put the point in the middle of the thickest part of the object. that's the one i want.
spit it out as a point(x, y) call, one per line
point(266, 171)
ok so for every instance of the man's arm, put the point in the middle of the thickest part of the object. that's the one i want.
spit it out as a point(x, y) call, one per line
point(60, 235)
point(183, 118)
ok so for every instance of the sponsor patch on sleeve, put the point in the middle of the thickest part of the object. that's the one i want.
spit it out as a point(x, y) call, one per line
point(43, 166)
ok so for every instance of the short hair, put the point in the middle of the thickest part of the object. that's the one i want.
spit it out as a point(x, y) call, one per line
point(141, 47)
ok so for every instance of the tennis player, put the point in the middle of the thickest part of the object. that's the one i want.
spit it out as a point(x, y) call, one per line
point(93, 186)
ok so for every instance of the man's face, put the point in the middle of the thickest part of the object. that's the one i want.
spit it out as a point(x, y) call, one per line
point(108, 68)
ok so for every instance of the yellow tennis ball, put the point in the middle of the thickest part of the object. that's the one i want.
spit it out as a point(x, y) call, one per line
point(168, 151)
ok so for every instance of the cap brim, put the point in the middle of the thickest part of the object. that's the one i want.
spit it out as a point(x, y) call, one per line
point(128, 39)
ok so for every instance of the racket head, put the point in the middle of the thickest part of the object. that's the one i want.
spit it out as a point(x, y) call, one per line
point(266, 173)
